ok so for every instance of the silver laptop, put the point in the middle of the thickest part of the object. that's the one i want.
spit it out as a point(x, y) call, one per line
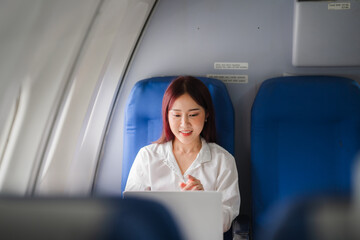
point(198, 214)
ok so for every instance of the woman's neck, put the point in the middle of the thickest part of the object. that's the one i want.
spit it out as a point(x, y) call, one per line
point(193, 147)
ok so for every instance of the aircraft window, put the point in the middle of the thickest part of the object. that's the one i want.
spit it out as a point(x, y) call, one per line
point(60, 65)
point(77, 138)
point(39, 46)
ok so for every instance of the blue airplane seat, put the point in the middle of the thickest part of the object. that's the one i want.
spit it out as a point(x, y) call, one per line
point(85, 218)
point(322, 217)
point(305, 134)
point(143, 121)
point(143, 219)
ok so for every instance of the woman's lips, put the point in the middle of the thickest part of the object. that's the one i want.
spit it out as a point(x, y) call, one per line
point(185, 133)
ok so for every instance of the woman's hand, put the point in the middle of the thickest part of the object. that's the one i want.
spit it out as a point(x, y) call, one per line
point(192, 184)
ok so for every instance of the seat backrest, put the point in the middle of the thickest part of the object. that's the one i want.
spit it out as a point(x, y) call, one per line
point(305, 133)
point(143, 121)
point(309, 219)
point(85, 218)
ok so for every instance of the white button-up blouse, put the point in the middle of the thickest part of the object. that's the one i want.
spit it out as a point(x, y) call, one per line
point(155, 168)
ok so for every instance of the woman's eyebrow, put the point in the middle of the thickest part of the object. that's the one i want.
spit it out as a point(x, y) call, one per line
point(192, 109)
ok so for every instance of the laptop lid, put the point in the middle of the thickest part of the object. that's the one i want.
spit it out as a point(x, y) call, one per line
point(198, 213)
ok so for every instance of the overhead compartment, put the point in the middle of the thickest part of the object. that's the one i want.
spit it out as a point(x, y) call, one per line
point(326, 34)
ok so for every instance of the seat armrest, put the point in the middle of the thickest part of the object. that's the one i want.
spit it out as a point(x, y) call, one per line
point(241, 227)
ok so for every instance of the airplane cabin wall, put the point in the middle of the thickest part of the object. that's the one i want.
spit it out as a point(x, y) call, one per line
point(39, 44)
point(60, 66)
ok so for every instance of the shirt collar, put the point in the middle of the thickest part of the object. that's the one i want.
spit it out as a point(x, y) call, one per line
point(203, 156)
point(169, 159)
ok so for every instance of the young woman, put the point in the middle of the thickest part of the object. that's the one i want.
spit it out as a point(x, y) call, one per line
point(186, 156)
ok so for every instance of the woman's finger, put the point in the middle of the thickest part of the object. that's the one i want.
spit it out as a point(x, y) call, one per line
point(191, 178)
point(197, 187)
point(192, 184)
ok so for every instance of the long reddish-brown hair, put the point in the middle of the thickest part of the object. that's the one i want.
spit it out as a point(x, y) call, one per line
point(201, 95)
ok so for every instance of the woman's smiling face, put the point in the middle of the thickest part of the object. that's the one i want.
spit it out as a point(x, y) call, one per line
point(186, 119)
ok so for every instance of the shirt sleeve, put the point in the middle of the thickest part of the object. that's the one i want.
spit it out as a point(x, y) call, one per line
point(229, 187)
point(138, 179)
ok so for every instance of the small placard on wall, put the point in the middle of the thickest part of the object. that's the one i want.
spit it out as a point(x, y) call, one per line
point(339, 6)
point(231, 65)
point(228, 78)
